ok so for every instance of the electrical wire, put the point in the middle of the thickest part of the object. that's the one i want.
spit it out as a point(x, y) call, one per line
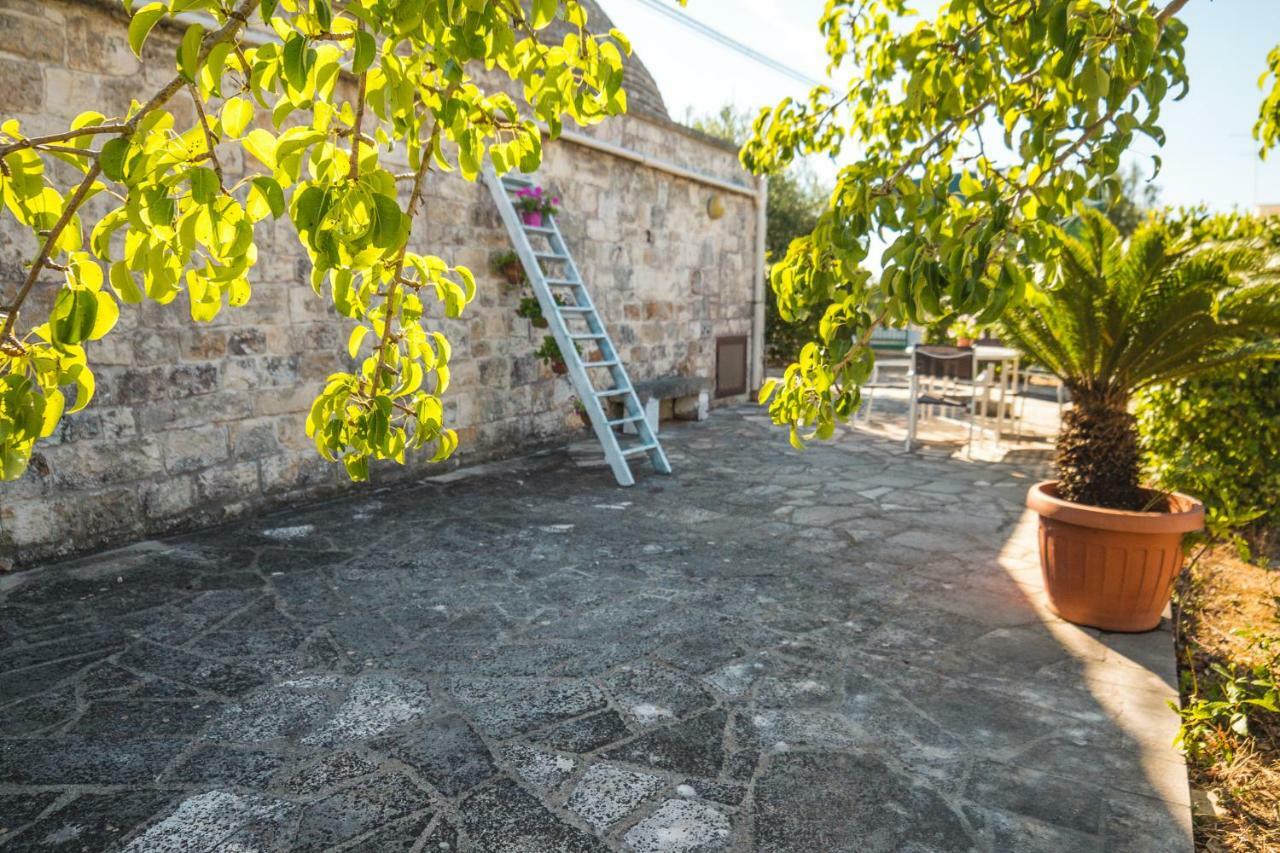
point(725, 41)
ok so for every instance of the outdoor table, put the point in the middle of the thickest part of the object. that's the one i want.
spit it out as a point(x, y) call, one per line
point(1008, 361)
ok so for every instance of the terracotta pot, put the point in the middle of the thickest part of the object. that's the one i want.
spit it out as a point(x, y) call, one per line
point(1109, 568)
point(559, 368)
point(513, 273)
point(538, 322)
point(964, 343)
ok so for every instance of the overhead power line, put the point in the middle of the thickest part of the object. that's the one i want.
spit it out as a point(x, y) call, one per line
point(724, 40)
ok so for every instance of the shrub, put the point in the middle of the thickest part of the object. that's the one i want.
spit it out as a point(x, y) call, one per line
point(1218, 437)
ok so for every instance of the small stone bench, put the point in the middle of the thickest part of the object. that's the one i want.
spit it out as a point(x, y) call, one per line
point(685, 398)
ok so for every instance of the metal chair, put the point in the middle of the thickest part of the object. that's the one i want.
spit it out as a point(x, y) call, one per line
point(936, 378)
point(1039, 384)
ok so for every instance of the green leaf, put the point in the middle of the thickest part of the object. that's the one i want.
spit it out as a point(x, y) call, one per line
point(13, 460)
point(272, 193)
point(82, 376)
point(544, 12)
point(298, 61)
point(268, 8)
point(323, 12)
point(237, 113)
point(262, 145)
point(204, 185)
point(108, 314)
point(386, 233)
point(189, 52)
point(112, 158)
point(365, 50)
point(356, 338)
point(307, 208)
point(214, 64)
point(140, 26)
point(468, 282)
point(123, 284)
point(54, 405)
point(74, 313)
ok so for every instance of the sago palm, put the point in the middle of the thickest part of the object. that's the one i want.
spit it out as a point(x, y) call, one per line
point(1111, 317)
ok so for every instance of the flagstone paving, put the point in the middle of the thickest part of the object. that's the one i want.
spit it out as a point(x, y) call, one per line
point(840, 650)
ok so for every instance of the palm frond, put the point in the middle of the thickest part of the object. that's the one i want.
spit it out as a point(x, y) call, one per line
point(1119, 315)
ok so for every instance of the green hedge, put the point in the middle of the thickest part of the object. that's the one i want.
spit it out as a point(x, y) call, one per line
point(1218, 438)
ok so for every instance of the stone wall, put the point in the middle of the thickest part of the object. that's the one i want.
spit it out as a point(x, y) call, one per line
point(194, 424)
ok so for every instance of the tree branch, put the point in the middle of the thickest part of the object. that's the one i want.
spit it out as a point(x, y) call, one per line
point(412, 211)
point(35, 141)
point(46, 250)
point(1174, 7)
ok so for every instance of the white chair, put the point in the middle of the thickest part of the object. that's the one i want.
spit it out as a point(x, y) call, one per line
point(942, 377)
point(892, 348)
point(1038, 384)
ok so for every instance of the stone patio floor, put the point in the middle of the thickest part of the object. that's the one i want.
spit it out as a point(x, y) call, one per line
point(839, 650)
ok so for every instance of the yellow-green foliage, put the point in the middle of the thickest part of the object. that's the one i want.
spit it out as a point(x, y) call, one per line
point(178, 227)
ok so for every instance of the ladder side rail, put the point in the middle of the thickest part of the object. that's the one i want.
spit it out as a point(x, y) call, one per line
point(617, 372)
point(550, 309)
point(632, 406)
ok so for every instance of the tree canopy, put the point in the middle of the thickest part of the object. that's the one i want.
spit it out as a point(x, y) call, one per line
point(355, 92)
point(974, 132)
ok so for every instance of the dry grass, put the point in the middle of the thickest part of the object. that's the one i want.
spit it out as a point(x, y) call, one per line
point(1218, 596)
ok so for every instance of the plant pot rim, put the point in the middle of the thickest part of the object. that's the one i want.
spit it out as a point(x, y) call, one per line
point(1186, 517)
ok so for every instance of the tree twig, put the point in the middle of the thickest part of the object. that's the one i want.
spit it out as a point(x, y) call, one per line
point(209, 140)
point(36, 141)
point(415, 197)
point(357, 131)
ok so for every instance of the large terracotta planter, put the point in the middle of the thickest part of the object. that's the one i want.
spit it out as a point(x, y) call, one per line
point(1108, 568)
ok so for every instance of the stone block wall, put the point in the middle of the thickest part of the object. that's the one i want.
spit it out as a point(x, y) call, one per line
point(198, 423)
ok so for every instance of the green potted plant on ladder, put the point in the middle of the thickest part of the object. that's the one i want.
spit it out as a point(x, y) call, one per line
point(1110, 318)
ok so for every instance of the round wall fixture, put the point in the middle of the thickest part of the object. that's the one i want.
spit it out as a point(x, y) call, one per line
point(715, 206)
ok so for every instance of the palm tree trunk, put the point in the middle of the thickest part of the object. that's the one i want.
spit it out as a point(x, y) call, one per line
point(1098, 451)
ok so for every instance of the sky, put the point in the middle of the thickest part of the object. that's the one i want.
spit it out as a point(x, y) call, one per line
point(1210, 156)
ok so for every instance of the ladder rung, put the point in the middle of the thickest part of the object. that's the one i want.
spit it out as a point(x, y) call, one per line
point(554, 270)
point(639, 448)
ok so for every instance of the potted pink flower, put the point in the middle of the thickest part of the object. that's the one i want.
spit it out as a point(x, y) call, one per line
point(534, 203)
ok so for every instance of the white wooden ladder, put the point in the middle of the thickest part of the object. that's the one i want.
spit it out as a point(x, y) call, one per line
point(574, 322)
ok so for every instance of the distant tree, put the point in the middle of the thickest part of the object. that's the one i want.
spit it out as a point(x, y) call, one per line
point(796, 199)
point(1134, 197)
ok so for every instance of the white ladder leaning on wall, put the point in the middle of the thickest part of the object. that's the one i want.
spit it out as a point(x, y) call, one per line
point(574, 321)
